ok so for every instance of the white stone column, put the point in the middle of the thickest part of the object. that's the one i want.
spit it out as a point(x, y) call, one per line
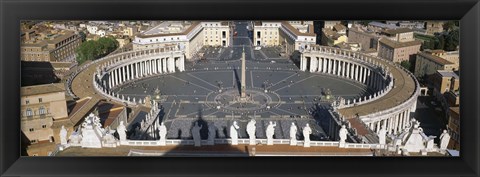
point(136, 70)
point(115, 77)
point(155, 66)
point(149, 67)
point(390, 125)
point(347, 70)
point(313, 64)
point(320, 65)
point(182, 62)
point(324, 65)
point(369, 79)
point(302, 62)
point(384, 123)
point(127, 72)
point(164, 64)
point(340, 67)
point(171, 65)
point(334, 69)
point(160, 65)
point(110, 78)
point(124, 73)
point(404, 118)
point(395, 124)
point(378, 126)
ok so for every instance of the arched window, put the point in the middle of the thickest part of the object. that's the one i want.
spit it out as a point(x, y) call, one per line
point(42, 110)
point(29, 112)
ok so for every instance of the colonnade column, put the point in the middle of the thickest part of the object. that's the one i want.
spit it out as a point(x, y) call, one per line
point(320, 64)
point(334, 64)
point(123, 74)
point(395, 124)
point(164, 64)
point(324, 65)
point(171, 64)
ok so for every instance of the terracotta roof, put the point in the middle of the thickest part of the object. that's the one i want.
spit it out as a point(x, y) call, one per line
point(398, 30)
point(42, 89)
point(339, 27)
point(395, 45)
point(434, 58)
point(74, 107)
point(361, 129)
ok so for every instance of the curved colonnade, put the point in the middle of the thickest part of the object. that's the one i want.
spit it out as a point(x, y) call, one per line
point(135, 65)
point(395, 89)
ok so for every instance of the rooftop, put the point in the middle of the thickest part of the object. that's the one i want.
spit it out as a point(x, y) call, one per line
point(42, 89)
point(239, 150)
point(397, 31)
point(339, 27)
point(170, 28)
point(382, 25)
point(445, 73)
point(395, 45)
point(434, 58)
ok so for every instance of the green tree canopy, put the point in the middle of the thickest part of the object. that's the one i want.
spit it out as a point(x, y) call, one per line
point(91, 50)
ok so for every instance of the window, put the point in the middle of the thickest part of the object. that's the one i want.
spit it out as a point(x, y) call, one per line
point(29, 112)
point(27, 101)
point(39, 100)
point(31, 129)
point(42, 110)
point(44, 126)
point(33, 141)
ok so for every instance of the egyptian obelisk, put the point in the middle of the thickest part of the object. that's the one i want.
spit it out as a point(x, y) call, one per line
point(242, 94)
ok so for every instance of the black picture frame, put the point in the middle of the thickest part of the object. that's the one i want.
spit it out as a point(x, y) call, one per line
point(11, 12)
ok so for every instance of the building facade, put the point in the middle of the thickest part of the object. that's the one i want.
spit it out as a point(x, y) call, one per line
point(454, 128)
point(185, 35)
point(60, 47)
point(427, 64)
point(367, 39)
point(294, 35)
point(40, 106)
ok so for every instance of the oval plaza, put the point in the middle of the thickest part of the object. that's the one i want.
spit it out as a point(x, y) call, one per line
point(367, 92)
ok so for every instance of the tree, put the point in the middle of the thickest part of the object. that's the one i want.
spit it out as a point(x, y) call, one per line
point(440, 42)
point(406, 65)
point(452, 40)
point(449, 25)
point(92, 50)
point(83, 36)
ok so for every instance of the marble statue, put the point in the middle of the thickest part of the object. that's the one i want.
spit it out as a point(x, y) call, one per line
point(75, 138)
point(196, 134)
point(109, 140)
point(162, 131)
point(92, 132)
point(63, 136)
point(121, 132)
point(343, 135)
point(444, 139)
point(251, 131)
point(306, 134)
point(270, 132)
point(293, 134)
point(382, 135)
point(212, 132)
point(233, 133)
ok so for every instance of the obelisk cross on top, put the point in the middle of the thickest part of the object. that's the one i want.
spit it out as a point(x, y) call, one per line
point(243, 94)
